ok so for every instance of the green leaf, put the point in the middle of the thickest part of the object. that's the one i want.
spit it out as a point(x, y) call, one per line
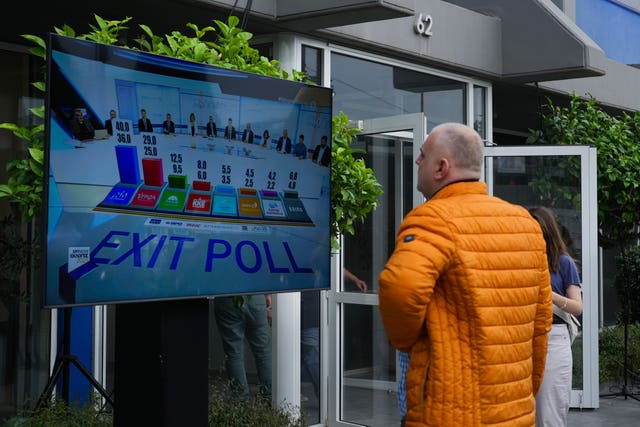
point(233, 21)
point(147, 30)
point(36, 40)
point(224, 27)
point(101, 22)
point(5, 190)
point(199, 51)
point(37, 155)
point(9, 126)
point(38, 112)
point(39, 85)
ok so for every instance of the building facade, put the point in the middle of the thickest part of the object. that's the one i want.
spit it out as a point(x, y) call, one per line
point(397, 69)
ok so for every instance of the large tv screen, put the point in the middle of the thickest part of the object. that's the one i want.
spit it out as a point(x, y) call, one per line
point(171, 179)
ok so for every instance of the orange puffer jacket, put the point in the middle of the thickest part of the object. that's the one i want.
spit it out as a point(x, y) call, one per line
point(467, 292)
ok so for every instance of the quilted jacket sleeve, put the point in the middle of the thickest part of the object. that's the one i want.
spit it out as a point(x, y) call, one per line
point(423, 250)
point(544, 317)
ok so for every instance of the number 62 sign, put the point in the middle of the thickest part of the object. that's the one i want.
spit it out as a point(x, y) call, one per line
point(423, 25)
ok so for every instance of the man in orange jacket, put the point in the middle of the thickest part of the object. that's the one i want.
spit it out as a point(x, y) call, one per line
point(467, 293)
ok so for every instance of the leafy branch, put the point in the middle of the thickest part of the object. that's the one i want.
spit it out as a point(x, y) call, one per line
point(24, 186)
point(354, 187)
point(617, 142)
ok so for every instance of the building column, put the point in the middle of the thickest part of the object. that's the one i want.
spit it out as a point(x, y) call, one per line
point(286, 306)
point(286, 349)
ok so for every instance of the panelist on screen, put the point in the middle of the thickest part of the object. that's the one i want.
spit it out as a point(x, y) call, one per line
point(284, 142)
point(144, 123)
point(247, 136)
point(108, 124)
point(212, 129)
point(322, 152)
point(192, 124)
point(300, 150)
point(81, 128)
point(168, 127)
point(230, 131)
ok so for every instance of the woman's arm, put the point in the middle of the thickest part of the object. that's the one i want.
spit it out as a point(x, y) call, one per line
point(572, 303)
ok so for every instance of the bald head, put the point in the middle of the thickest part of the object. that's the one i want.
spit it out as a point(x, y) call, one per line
point(464, 145)
point(452, 152)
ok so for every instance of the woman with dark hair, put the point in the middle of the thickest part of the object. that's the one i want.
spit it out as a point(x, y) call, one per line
point(554, 396)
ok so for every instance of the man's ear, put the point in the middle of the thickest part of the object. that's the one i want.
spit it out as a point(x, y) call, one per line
point(443, 168)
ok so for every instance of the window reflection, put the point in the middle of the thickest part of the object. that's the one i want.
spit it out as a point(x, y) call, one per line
point(312, 64)
point(479, 111)
point(368, 362)
point(365, 89)
point(369, 369)
point(553, 182)
point(362, 256)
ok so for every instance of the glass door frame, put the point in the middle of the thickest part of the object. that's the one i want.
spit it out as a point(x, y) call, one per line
point(588, 396)
point(417, 124)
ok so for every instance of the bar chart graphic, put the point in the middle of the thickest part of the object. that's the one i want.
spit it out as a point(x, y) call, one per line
point(149, 193)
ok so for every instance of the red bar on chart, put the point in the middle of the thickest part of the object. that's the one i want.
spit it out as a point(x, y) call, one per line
point(152, 171)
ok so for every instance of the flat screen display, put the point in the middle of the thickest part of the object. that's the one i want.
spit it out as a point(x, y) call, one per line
point(170, 179)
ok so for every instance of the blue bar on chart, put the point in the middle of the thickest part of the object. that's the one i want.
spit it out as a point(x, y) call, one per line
point(127, 157)
point(129, 173)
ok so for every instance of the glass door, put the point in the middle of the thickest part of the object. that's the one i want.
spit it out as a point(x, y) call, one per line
point(362, 389)
point(562, 178)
